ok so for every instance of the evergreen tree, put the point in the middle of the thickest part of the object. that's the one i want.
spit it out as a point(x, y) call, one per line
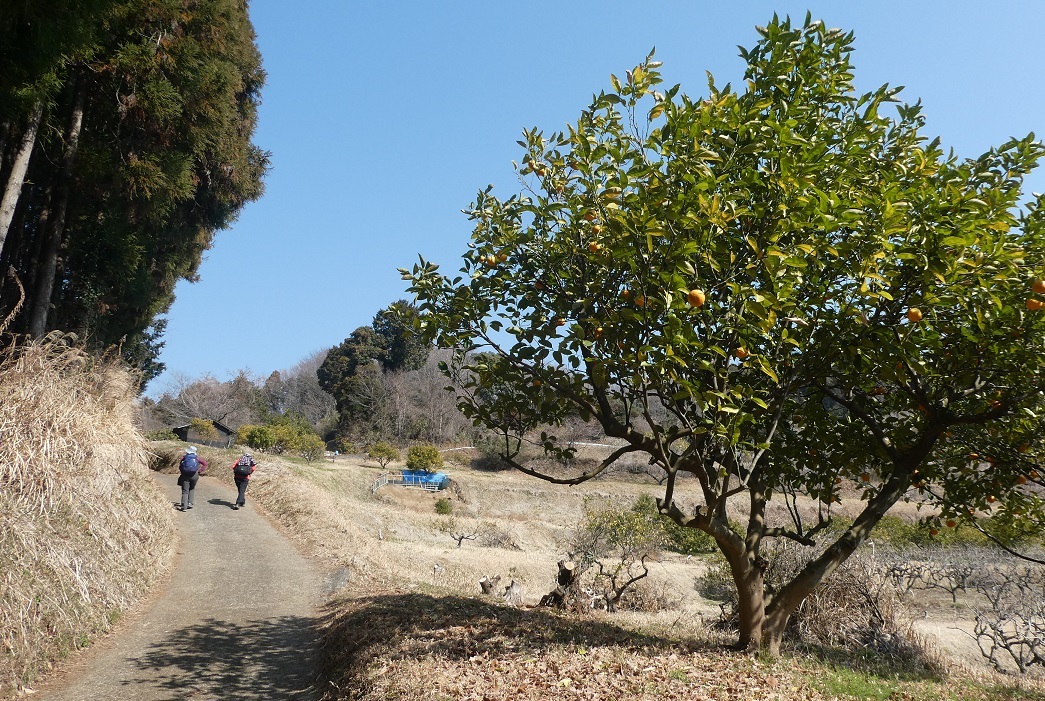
point(142, 153)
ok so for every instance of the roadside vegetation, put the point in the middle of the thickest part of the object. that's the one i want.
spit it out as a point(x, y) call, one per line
point(83, 531)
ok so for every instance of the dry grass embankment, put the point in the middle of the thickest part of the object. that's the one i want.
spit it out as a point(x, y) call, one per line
point(83, 531)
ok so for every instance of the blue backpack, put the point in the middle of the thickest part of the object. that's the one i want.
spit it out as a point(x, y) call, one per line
point(190, 463)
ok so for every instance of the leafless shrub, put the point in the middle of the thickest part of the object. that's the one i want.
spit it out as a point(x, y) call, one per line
point(1012, 630)
point(82, 534)
point(649, 597)
point(459, 530)
point(495, 536)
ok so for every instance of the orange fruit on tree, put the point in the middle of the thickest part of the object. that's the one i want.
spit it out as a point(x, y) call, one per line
point(1034, 304)
point(596, 229)
point(865, 477)
point(560, 321)
point(640, 301)
point(741, 353)
point(537, 382)
point(502, 257)
point(951, 523)
point(590, 215)
point(594, 246)
point(914, 315)
point(696, 298)
point(991, 499)
point(598, 332)
point(1021, 479)
point(934, 531)
point(1038, 286)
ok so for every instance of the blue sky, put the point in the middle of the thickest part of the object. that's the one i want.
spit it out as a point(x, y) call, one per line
point(385, 118)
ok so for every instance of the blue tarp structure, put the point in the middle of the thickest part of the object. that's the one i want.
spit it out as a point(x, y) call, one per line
point(423, 478)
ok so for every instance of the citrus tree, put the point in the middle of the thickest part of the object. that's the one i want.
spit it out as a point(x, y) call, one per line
point(382, 453)
point(424, 457)
point(779, 292)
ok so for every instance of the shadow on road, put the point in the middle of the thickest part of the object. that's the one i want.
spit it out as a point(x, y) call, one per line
point(220, 502)
point(271, 659)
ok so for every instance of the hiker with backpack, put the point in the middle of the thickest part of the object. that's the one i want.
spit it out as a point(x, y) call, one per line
point(242, 469)
point(190, 468)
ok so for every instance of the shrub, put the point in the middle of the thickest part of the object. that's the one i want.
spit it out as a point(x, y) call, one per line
point(424, 457)
point(687, 541)
point(257, 437)
point(163, 434)
point(203, 428)
point(382, 453)
point(444, 507)
point(495, 536)
point(284, 438)
point(311, 447)
point(612, 544)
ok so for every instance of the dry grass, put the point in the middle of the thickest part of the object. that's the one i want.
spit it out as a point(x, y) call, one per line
point(74, 477)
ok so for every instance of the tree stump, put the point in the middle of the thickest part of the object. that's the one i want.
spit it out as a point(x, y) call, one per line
point(560, 596)
point(567, 572)
point(489, 585)
point(513, 594)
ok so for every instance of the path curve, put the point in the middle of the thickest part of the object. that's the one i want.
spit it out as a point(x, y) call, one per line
point(236, 621)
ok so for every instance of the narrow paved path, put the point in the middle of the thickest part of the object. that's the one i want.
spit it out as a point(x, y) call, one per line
point(236, 620)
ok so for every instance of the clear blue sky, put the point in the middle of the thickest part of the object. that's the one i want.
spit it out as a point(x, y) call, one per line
point(384, 118)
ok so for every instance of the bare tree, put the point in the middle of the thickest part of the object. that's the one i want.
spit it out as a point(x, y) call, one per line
point(232, 403)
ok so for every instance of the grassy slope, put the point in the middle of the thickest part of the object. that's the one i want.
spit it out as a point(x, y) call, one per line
point(410, 623)
point(75, 484)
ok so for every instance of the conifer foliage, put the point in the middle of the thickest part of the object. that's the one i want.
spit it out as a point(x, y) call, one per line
point(125, 144)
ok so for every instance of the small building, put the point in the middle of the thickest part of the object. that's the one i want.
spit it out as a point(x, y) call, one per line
point(223, 436)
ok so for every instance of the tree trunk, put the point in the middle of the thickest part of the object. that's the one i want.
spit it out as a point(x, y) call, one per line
point(792, 594)
point(18, 168)
point(48, 264)
point(751, 602)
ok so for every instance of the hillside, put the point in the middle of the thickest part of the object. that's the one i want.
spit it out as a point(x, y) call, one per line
point(83, 531)
point(408, 620)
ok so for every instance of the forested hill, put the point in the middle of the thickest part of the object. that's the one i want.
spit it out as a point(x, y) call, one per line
point(125, 145)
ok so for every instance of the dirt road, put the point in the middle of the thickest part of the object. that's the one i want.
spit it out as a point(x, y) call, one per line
point(235, 621)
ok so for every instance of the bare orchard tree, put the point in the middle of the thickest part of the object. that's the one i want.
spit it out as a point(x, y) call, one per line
point(1011, 630)
point(232, 403)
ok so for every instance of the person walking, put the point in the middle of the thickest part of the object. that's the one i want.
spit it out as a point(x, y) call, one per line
point(190, 468)
point(242, 469)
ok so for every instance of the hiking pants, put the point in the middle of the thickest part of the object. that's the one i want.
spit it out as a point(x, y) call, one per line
point(241, 485)
point(188, 488)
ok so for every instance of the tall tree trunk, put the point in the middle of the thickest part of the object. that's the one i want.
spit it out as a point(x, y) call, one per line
point(5, 133)
point(41, 298)
point(18, 167)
